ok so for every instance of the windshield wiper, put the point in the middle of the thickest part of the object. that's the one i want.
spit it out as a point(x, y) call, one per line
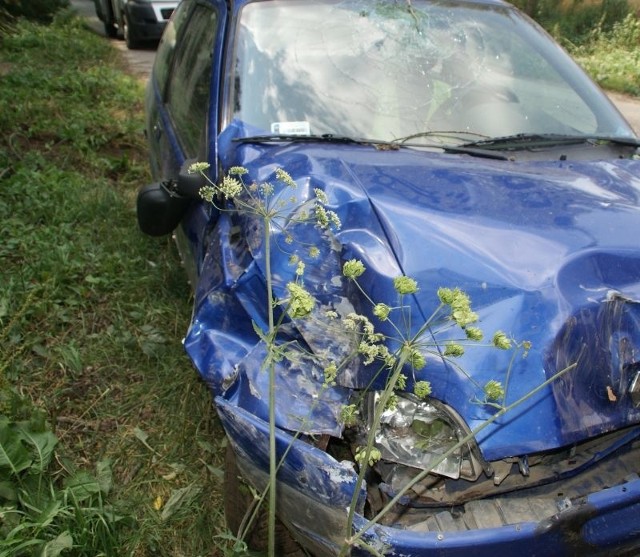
point(474, 152)
point(528, 140)
point(439, 137)
point(484, 148)
point(330, 138)
point(295, 138)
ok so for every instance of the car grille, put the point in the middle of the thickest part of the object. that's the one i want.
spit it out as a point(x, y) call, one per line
point(525, 505)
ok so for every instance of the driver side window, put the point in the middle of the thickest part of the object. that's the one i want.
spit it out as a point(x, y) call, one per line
point(189, 88)
point(167, 46)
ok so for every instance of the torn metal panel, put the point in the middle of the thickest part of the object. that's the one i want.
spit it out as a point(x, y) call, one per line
point(604, 340)
point(302, 402)
point(314, 489)
point(447, 227)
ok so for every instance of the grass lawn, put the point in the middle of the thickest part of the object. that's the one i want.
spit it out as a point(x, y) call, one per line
point(91, 317)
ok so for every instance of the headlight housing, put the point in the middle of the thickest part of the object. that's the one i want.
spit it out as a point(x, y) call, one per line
point(415, 433)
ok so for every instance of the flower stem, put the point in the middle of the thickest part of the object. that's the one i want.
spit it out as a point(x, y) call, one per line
point(272, 394)
point(382, 403)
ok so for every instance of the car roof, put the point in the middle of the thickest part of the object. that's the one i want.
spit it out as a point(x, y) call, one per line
point(238, 3)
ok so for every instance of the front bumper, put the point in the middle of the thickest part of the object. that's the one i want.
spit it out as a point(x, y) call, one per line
point(315, 491)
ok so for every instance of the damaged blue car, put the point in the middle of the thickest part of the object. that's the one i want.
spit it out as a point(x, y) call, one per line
point(446, 151)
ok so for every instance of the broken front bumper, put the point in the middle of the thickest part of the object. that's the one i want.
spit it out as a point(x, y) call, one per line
point(315, 491)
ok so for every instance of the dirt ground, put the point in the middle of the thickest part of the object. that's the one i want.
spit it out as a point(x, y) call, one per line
point(630, 108)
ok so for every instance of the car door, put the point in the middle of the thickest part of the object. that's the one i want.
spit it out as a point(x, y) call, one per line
point(184, 126)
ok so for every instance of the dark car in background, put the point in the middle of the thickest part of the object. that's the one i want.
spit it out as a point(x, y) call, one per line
point(138, 22)
point(455, 143)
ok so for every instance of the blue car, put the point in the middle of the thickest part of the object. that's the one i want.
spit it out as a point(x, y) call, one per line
point(435, 330)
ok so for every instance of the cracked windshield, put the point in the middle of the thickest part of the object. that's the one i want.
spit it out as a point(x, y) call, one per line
point(404, 71)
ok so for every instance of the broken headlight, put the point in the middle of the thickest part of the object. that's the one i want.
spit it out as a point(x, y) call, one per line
point(416, 433)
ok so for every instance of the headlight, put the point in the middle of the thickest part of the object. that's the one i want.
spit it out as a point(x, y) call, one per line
point(416, 433)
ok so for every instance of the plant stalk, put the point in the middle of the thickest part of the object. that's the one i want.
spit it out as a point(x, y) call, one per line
point(273, 470)
point(382, 403)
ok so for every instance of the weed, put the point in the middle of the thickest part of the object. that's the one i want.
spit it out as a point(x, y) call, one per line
point(39, 10)
point(574, 20)
point(41, 514)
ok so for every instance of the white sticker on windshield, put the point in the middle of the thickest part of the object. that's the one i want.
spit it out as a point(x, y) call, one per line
point(291, 128)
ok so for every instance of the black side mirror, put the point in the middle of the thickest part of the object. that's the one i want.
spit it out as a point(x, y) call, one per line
point(189, 184)
point(160, 208)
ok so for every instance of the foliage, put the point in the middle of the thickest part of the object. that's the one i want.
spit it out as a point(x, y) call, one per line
point(602, 36)
point(91, 311)
point(37, 10)
point(613, 58)
point(43, 515)
point(574, 20)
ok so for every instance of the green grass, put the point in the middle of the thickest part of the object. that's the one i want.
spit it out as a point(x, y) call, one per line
point(91, 311)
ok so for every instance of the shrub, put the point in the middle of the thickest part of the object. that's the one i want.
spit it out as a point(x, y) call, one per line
point(575, 20)
point(613, 58)
point(37, 10)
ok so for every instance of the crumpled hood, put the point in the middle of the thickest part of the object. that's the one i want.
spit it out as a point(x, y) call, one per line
point(549, 252)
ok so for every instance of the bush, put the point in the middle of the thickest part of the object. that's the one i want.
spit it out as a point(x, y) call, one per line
point(37, 10)
point(613, 58)
point(575, 20)
point(602, 36)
